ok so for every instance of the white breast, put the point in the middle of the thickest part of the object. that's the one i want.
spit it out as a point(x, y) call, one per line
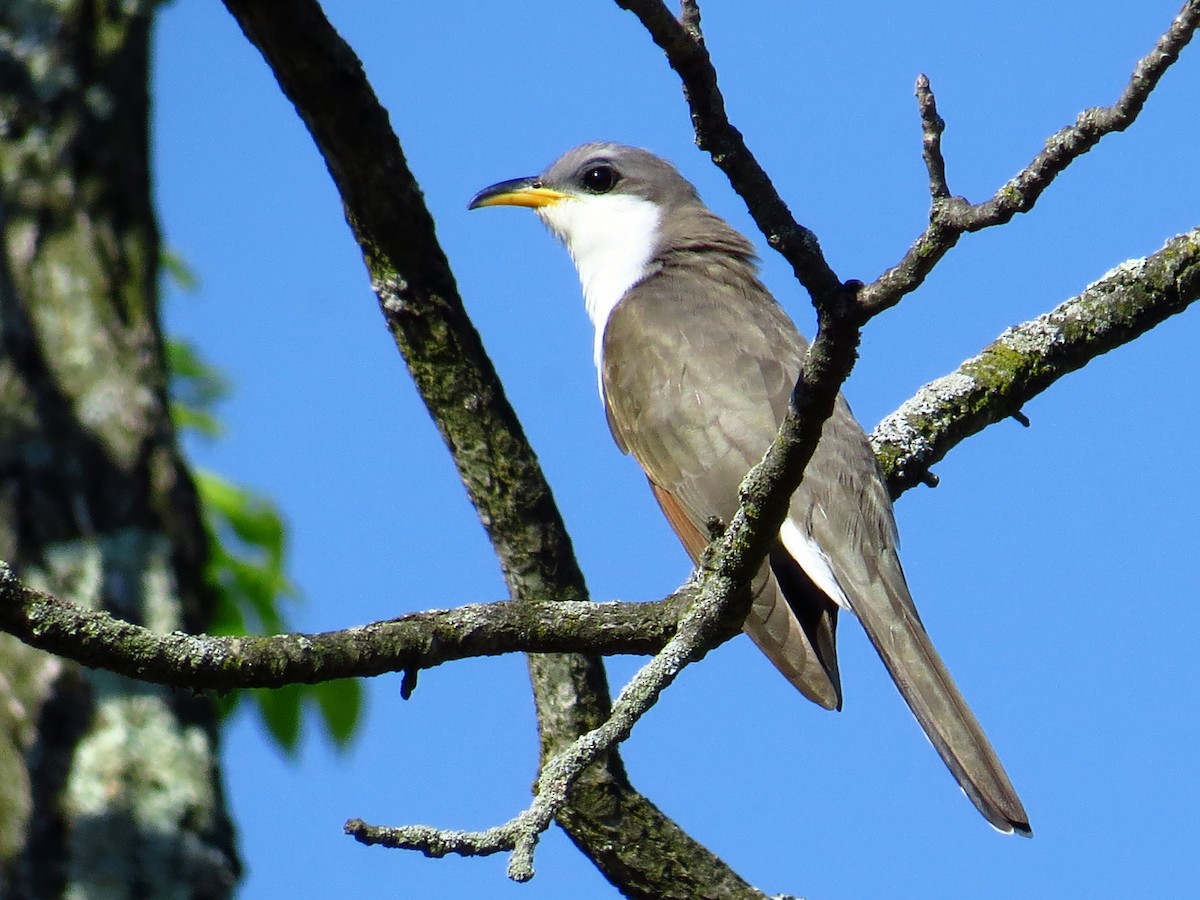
point(611, 238)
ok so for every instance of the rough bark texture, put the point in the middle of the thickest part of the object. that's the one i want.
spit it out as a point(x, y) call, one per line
point(108, 787)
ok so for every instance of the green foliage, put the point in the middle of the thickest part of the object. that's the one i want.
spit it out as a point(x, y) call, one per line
point(195, 389)
point(340, 703)
point(177, 270)
point(247, 556)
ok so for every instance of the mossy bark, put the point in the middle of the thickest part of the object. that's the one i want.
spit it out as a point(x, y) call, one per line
point(108, 788)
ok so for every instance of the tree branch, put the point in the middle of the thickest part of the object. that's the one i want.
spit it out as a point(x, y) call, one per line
point(950, 217)
point(409, 643)
point(932, 126)
point(1026, 359)
point(719, 601)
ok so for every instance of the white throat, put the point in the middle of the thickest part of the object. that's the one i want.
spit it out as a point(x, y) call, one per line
point(611, 238)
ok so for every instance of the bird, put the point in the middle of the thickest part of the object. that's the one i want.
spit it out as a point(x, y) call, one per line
point(696, 362)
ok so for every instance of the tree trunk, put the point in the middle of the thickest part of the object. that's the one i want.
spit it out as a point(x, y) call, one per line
point(108, 787)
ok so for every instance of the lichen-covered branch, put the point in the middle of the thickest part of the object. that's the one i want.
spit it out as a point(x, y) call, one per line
point(713, 615)
point(409, 643)
point(951, 217)
point(1026, 359)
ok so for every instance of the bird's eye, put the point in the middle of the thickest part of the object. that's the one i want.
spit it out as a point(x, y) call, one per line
point(600, 179)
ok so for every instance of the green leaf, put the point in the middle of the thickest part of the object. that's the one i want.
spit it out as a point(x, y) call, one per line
point(253, 518)
point(175, 267)
point(340, 703)
point(196, 387)
point(187, 418)
point(227, 618)
point(279, 709)
point(227, 703)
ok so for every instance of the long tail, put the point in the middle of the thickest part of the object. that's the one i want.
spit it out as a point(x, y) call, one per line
point(919, 673)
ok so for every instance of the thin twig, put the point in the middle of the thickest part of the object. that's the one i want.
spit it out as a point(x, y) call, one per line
point(932, 126)
point(699, 630)
point(950, 217)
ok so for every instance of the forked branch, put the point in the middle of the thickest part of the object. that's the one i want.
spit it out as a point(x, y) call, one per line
point(951, 217)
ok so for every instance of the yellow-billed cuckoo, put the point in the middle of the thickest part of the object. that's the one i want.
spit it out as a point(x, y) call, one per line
point(697, 362)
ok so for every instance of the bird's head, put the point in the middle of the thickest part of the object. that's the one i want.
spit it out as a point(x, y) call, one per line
point(598, 195)
point(617, 208)
point(607, 203)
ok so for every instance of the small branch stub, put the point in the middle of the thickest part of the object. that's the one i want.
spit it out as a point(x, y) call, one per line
point(932, 126)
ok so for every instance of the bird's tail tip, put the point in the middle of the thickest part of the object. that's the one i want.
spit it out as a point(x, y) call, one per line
point(1021, 829)
point(1001, 807)
point(1008, 826)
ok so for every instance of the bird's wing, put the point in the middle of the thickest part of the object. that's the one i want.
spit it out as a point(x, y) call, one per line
point(692, 407)
point(798, 639)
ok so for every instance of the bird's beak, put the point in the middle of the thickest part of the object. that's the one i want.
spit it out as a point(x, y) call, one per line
point(517, 192)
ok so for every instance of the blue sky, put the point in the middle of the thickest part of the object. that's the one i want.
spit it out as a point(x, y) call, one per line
point(1055, 566)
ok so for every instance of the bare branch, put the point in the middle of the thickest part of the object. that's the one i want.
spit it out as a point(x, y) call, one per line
point(409, 643)
point(932, 126)
point(699, 630)
point(1026, 359)
point(951, 217)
